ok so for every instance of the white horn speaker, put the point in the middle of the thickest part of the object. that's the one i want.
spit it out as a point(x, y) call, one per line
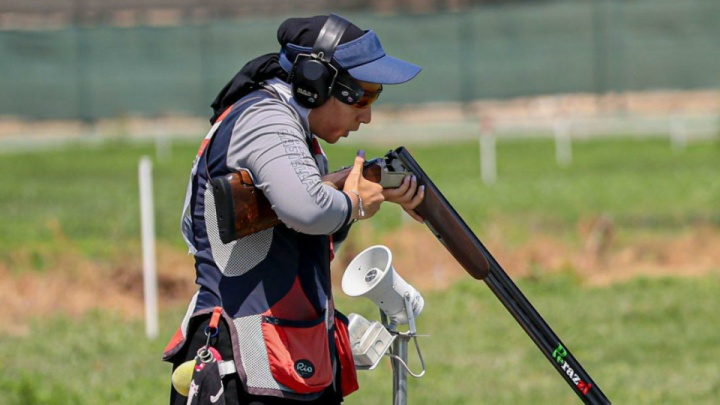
point(371, 274)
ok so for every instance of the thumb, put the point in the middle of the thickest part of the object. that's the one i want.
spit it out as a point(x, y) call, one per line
point(359, 163)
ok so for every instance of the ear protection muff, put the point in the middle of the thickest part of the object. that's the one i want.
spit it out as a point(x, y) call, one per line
point(313, 76)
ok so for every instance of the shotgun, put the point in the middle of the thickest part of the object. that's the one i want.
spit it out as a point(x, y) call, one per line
point(245, 211)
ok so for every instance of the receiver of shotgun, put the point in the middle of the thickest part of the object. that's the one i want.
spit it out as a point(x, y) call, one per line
point(242, 209)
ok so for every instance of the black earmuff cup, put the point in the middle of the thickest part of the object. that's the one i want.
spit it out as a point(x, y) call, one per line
point(312, 76)
point(311, 82)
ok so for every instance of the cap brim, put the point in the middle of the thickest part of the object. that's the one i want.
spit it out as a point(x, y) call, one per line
point(385, 70)
point(363, 58)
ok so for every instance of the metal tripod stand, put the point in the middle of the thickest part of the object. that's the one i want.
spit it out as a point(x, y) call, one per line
point(399, 354)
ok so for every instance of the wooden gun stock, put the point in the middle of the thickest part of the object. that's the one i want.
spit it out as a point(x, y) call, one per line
point(242, 209)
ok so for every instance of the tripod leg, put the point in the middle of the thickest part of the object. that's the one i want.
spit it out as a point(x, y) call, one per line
point(400, 349)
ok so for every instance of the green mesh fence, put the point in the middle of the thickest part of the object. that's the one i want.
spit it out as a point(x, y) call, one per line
point(489, 52)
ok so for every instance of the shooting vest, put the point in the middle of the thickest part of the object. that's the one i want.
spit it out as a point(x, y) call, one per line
point(274, 285)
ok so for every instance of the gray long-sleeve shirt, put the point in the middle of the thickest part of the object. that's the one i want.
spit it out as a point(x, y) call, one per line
point(271, 139)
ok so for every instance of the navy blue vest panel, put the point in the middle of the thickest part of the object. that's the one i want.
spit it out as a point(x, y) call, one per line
point(291, 255)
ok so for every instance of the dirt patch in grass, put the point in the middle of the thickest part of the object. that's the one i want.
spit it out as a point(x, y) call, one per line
point(596, 258)
point(76, 284)
point(73, 285)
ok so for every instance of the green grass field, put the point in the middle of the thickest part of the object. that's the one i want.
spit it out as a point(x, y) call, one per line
point(644, 342)
point(647, 341)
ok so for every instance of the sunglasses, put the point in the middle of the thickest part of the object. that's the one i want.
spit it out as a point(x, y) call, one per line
point(351, 93)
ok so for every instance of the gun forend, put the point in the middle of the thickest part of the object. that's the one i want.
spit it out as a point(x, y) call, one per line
point(442, 219)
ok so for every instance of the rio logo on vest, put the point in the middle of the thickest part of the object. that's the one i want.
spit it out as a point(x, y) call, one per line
point(304, 368)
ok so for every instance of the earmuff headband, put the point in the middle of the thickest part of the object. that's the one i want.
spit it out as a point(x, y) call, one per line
point(329, 37)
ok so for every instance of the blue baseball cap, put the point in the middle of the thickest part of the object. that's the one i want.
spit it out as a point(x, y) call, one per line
point(363, 57)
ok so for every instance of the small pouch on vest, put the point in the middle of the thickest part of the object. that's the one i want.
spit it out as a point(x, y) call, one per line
point(348, 372)
point(299, 353)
